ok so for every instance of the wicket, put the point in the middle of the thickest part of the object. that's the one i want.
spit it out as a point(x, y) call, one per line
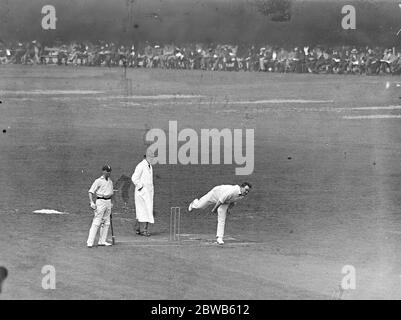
point(175, 223)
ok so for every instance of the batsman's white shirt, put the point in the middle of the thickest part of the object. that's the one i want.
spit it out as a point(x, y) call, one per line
point(102, 188)
point(143, 178)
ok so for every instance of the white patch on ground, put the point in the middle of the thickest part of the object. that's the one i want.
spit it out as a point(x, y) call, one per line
point(378, 108)
point(50, 92)
point(166, 96)
point(301, 101)
point(374, 116)
point(155, 97)
point(49, 211)
point(172, 96)
point(130, 104)
point(212, 102)
point(96, 97)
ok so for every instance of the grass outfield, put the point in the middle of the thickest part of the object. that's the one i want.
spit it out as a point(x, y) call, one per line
point(326, 184)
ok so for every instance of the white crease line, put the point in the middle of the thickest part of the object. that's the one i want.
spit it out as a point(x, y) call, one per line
point(130, 103)
point(104, 98)
point(155, 97)
point(376, 108)
point(187, 243)
point(259, 102)
point(50, 92)
point(280, 101)
point(205, 100)
point(375, 116)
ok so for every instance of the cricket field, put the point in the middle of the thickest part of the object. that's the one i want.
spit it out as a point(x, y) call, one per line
point(326, 184)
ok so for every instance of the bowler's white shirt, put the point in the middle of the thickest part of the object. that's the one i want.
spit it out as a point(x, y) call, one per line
point(226, 193)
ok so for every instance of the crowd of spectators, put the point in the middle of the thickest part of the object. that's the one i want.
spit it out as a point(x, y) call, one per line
point(305, 59)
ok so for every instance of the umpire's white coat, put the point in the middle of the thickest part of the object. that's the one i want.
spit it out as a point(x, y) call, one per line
point(143, 178)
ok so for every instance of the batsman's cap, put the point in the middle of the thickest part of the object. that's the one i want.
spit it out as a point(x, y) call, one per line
point(106, 168)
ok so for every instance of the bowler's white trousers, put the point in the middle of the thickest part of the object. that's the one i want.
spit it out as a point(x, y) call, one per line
point(101, 218)
point(206, 201)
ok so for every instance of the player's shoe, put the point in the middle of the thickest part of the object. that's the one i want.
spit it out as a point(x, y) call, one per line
point(190, 206)
point(219, 241)
point(104, 244)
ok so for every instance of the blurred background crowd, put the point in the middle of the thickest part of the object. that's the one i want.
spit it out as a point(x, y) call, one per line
point(214, 57)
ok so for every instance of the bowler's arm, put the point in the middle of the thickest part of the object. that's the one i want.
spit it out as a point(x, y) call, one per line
point(216, 206)
point(223, 199)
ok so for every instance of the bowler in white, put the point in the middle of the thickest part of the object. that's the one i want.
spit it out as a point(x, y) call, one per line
point(224, 198)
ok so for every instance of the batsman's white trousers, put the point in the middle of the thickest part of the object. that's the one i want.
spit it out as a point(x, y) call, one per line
point(101, 218)
point(206, 201)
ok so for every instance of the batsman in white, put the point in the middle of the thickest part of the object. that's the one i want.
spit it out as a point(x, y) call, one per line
point(224, 198)
point(102, 188)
